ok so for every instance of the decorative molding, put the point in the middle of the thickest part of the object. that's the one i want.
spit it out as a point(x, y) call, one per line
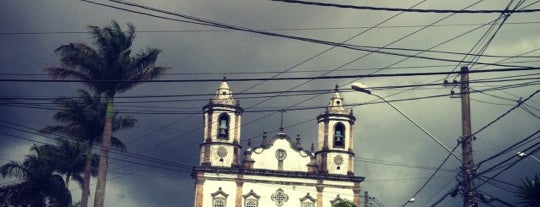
point(279, 197)
point(308, 197)
point(251, 194)
point(220, 192)
point(264, 172)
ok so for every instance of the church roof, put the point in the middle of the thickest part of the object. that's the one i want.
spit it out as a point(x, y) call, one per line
point(336, 104)
point(223, 95)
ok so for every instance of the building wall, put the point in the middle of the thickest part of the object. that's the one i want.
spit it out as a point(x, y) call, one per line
point(265, 158)
point(265, 186)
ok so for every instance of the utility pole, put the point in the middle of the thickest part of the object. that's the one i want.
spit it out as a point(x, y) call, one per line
point(467, 168)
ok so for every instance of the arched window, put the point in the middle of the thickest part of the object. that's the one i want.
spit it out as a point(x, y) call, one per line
point(223, 126)
point(339, 135)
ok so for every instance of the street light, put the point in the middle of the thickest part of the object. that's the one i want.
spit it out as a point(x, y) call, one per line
point(523, 155)
point(364, 89)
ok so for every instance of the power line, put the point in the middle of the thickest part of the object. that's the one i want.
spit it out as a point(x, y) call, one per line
point(252, 110)
point(200, 21)
point(266, 29)
point(276, 78)
point(463, 11)
point(262, 94)
point(117, 152)
point(432, 175)
point(505, 113)
point(251, 72)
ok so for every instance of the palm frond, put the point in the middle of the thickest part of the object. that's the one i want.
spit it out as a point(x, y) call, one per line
point(123, 122)
point(14, 169)
point(116, 143)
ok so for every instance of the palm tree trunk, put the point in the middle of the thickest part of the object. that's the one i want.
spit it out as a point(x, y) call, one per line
point(99, 198)
point(68, 175)
point(86, 179)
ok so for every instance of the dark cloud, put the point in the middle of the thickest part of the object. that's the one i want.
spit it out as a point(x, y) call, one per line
point(381, 134)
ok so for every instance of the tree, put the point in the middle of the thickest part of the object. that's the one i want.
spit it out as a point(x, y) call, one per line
point(529, 191)
point(344, 203)
point(82, 120)
point(39, 186)
point(109, 69)
point(68, 159)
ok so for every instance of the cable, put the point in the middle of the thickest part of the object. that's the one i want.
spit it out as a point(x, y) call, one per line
point(505, 113)
point(266, 29)
point(200, 21)
point(397, 164)
point(250, 72)
point(510, 165)
point(342, 6)
point(432, 175)
point(113, 151)
point(278, 79)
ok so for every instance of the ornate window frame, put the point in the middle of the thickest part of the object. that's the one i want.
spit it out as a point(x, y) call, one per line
point(307, 201)
point(250, 199)
point(219, 198)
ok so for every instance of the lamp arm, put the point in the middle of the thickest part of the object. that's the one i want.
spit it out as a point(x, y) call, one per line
point(418, 126)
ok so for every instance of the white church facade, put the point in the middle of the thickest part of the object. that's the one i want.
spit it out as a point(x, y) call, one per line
point(278, 172)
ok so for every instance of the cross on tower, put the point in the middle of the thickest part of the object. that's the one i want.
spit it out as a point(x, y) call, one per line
point(282, 111)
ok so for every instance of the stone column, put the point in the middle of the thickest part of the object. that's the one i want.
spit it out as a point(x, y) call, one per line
point(199, 184)
point(320, 188)
point(239, 185)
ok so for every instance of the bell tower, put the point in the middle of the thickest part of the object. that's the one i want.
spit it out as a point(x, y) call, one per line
point(221, 138)
point(335, 138)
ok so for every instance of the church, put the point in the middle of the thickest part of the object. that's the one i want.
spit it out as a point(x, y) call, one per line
point(278, 172)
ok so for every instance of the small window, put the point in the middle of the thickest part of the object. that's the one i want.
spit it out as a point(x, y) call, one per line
point(219, 203)
point(251, 199)
point(251, 203)
point(219, 198)
point(339, 135)
point(223, 126)
point(307, 204)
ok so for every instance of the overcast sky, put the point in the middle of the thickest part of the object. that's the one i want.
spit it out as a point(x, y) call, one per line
point(395, 157)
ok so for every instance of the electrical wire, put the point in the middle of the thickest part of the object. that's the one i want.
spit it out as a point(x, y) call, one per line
point(432, 175)
point(200, 21)
point(504, 114)
point(461, 11)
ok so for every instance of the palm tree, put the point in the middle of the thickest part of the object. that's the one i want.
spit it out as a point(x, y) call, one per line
point(68, 159)
point(83, 119)
point(529, 191)
point(110, 69)
point(39, 186)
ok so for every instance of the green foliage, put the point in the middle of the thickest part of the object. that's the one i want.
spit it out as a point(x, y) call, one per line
point(529, 191)
point(82, 120)
point(38, 185)
point(344, 203)
point(107, 68)
point(110, 60)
